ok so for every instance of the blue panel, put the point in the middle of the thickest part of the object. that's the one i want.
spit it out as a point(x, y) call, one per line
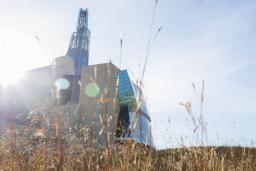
point(125, 90)
point(145, 129)
point(142, 132)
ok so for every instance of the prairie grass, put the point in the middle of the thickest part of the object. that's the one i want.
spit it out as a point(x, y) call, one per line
point(54, 147)
point(24, 153)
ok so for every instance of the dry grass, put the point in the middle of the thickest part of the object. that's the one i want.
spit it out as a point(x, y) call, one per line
point(41, 154)
point(53, 149)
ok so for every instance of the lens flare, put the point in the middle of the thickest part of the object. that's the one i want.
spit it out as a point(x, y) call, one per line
point(92, 90)
point(62, 84)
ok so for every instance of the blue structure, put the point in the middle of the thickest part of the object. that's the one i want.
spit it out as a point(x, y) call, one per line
point(80, 41)
point(79, 51)
point(134, 120)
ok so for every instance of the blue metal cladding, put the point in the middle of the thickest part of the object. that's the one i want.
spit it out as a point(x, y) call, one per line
point(79, 44)
point(139, 121)
point(142, 129)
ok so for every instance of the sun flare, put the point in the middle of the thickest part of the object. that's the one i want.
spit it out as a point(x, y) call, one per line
point(18, 52)
point(10, 78)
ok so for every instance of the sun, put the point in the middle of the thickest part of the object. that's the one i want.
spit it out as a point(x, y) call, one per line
point(10, 78)
point(19, 52)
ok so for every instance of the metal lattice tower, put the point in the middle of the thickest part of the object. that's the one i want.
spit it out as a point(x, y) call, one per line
point(79, 44)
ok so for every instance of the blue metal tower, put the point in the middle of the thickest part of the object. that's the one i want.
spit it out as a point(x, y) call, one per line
point(79, 44)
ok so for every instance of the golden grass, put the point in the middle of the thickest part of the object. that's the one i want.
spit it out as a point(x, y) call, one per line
point(41, 154)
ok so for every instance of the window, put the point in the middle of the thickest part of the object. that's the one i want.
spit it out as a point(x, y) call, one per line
point(123, 122)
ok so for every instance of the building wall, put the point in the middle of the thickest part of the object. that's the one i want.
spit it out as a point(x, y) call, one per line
point(36, 87)
point(63, 65)
point(99, 102)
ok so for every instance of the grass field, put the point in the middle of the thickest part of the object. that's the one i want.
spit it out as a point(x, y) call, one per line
point(42, 154)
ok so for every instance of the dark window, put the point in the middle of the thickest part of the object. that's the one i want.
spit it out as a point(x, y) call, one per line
point(123, 122)
point(72, 92)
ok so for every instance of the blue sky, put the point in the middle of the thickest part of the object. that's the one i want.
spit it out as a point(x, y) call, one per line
point(212, 40)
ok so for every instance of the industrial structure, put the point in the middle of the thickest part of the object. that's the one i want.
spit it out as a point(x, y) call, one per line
point(79, 45)
point(101, 98)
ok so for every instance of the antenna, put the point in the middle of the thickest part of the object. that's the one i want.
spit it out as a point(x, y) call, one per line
point(121, 49)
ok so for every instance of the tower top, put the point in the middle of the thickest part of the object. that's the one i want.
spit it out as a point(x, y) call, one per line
point(79, 44)
point(82, 22)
